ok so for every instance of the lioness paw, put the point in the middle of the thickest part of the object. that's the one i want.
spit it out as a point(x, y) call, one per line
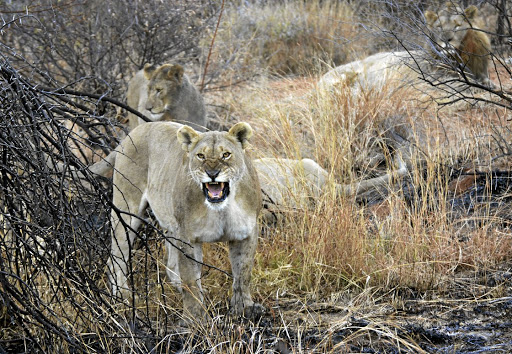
point(251, 311)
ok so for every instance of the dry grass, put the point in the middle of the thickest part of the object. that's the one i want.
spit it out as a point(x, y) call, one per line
point(289, 37)
point(323, 248)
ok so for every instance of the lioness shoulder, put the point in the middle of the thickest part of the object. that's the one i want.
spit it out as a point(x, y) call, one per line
point(201, 187)
point(165, 93)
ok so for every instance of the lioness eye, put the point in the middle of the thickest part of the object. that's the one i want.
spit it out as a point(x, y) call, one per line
point(226, 155)
point(200, 156)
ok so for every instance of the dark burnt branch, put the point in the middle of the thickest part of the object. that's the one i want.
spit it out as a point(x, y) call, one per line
point(55, 230)
point(95, 96)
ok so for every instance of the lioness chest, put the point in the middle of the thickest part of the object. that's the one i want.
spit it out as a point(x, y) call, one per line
point(200, 223)
point(231, 223)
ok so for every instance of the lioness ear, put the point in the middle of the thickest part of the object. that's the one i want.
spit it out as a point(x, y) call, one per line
point(176, 73)
point(241, 132)
point(471, 12)
point(187, 137)
point(430, 16)
point(149, 69)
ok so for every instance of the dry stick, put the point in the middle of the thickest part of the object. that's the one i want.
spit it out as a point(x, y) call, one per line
point(211, 47)
point(95, 96)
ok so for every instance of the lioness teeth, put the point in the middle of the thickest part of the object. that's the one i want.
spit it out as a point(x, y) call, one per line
point(215, 196)
point(215, 189)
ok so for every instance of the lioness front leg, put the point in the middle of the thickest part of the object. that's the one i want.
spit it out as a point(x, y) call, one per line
point(190, 261)
point(122, 240)
point(241, 254)
point(173, 264)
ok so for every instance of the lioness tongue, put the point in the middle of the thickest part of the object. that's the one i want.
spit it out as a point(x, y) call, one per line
point(215, 189)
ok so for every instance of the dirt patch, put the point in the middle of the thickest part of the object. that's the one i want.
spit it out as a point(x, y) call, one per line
point(436, 325)
point(400, 321)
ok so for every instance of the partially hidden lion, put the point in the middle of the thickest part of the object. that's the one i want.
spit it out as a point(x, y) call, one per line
point(460, 36)
point(201, 187)
point(372, 72)
point(165, 93)
point(290, 183)
point(455, 34)
point(161, 93)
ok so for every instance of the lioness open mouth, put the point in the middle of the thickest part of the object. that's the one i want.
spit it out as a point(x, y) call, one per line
point(216, 192)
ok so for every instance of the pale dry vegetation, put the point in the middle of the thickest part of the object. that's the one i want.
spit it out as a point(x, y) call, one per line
point(291, 37)
point(372, 272)
point(337, 242)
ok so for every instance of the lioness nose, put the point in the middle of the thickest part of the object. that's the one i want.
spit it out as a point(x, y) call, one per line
point(213, 173)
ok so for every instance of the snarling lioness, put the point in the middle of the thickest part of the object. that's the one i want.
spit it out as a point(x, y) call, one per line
point(201, 187)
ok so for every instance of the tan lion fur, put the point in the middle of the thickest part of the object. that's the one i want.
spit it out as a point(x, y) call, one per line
point(457, 32)
point(165, 93)
point(289, 183)
point(461, 31)
point(372, 72)
point(284, 181)
point(167, 166)
point(161, 93)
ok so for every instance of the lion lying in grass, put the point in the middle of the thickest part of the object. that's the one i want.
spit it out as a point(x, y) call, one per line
point(201, 187)
point(286, 183)
point(456, 45)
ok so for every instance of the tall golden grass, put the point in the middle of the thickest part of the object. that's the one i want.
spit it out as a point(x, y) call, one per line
point(288, 37)
point(406, 241)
